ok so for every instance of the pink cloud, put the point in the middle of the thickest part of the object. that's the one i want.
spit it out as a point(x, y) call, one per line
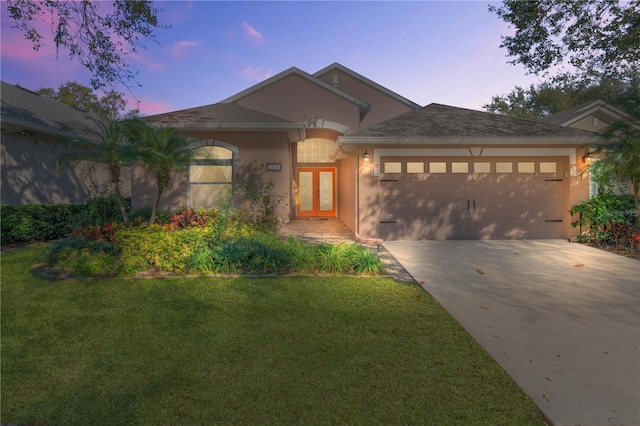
point(253, 34)
point(179, 49)
point(256, 73)
point(152, 108)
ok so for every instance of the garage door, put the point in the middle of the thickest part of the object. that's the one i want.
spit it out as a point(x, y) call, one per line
point(471, 198)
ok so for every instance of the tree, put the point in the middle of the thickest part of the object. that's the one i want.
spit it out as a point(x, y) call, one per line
point(161, 150)
point(561, 93)
point(595, 37)
point(99, 39)
point(110, 106)
point(105, 144)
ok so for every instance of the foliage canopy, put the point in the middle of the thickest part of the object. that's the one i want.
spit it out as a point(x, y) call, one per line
point(97, 34)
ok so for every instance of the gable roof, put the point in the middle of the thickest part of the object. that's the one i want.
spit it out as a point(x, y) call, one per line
point(364, 106)
point(572, 115)
point(226, 117)
point(22, 109)
point(365, 80)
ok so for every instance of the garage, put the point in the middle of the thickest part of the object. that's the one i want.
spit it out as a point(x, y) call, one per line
point(446, 198)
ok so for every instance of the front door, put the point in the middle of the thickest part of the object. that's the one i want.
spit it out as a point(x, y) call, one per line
point(316, 192)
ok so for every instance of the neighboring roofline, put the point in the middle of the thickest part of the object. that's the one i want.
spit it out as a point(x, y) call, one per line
point(364, 106)
point(368, 82)
point(24, 125)
point(588, 109)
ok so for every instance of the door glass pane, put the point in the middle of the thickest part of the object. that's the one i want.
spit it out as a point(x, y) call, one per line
point(326, 191)
point(306, 191)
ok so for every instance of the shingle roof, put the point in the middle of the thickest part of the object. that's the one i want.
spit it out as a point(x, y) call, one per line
point(229, 113)
point(24, 109)
point(437, 121)
point(572, 115)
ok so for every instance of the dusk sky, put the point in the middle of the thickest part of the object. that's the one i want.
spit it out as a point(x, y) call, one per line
point(428, 51)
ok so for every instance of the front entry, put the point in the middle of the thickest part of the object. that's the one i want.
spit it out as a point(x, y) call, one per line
point(316, 192)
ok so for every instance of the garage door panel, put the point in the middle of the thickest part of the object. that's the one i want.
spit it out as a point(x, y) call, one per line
point(474, 205)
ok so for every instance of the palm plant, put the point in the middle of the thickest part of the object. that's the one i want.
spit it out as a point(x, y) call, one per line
point(104, 144)
point(162, 150)
point(621, 155)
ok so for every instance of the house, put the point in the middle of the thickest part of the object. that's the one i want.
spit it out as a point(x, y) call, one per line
point(596, 116)
point(337, 144)
point(32, 129)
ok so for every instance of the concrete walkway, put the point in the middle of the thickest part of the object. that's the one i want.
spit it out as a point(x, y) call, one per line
point(562, 319)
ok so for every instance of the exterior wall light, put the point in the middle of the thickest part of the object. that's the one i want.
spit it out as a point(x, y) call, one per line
point(366, 156)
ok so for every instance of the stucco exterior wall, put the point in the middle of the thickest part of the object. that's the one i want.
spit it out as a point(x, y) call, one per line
point(29, 173)
point(347, 198)
point(383, 105)
point(255, 150)
point(593, 123)
point(297, 99)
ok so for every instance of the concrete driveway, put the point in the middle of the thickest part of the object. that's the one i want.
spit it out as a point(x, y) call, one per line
point(562, 319)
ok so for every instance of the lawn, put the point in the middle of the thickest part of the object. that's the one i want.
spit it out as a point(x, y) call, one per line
point(340, 350)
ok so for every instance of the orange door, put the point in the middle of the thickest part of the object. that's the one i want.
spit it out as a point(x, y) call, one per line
point(316, 192)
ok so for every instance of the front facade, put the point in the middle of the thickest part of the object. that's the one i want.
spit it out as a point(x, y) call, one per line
point(336, 144)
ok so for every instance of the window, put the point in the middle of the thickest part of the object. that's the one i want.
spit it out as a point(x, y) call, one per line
point(392, 167)
point(504, 167)
point(459, 167)
point(315, 150)
point(415, 167)
point(437, 167)
point(548, 167)
point(482, 167)
point(210, 176)
point(526, 167)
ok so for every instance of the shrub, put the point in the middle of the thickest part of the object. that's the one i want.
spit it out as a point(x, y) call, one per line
point(84, 258)
point(607, 219)
point(45, 222)
point(143, 214)
point(188, 217)
point(39, 222)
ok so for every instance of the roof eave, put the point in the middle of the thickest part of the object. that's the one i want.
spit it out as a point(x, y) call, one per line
point(489, 140)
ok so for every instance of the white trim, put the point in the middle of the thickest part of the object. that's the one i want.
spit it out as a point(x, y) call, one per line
point(473, 141)
point(486, 152)
point(321, 123)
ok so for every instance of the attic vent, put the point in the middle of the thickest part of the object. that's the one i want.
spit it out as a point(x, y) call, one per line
point(594, 121)
point(335, 80)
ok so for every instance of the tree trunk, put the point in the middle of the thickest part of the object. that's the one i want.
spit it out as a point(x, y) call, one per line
point(162, 180)
point(115, 179)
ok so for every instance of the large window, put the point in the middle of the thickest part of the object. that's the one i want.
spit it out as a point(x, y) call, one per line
point(315, 150)
point(210, 176)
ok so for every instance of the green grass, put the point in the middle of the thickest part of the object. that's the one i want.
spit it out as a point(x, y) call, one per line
point(180, 351)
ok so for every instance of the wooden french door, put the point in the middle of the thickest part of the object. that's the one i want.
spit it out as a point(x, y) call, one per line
point(316, 192)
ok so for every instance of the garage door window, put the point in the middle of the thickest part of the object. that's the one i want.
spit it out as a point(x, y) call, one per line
point(415, 167)
point(548, 167)
point(504, 167)
point(459, 167)
point(437, 167)
point(482, 167)
point(393, 167)
point(526, 167)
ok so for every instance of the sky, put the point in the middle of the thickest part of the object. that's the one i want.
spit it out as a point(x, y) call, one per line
point(445, 52)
